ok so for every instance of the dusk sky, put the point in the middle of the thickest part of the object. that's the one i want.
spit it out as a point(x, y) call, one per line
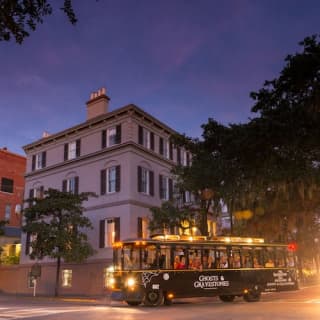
point(182, 61)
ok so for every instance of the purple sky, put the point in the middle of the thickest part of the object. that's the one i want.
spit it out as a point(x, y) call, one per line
point(180, 61)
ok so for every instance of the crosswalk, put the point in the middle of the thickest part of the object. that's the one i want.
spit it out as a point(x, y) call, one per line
point(7, 313)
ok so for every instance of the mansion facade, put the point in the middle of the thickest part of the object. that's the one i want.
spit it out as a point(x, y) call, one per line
point(124, 156)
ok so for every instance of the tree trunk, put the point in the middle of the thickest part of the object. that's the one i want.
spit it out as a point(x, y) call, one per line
point(56, 290)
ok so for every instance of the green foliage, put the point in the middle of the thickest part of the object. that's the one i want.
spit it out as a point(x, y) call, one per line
point(270, 165)
point(58, 224)
point(57, 221)
point(10, 260)
point(18, 17)
point(168, 217)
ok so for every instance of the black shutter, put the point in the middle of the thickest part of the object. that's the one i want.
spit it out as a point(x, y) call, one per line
point(178, 155)
point(140, 135)
point(170, 151)
point(160, 187)
point(184, 196)
point(103, 181)
point(76, 185)
point(188, 159)
point(27, 251)
point(170, 189)
point(33, 162)
point(151, 183)
point(78, 148)
point(64, 186)
point(139, 179)
point(44, 159)
point(118, 134)
point(117, 229)
point(41, 192)
point(139, 229)
point(118, 178)
point(103, 139)
point(102, 233)
point(66, 147)
point(152, 141)
point(161, 146)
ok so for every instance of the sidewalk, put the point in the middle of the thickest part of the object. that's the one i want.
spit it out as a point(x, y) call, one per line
point(102, 300)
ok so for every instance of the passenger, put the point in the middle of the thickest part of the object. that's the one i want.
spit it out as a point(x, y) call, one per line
point(256, 263)
point(269, 264)
point(205, 262)
point(210, 263)
point(196, 263)
point(236, 261)
point(176, 263)
point(223, 262)
point(182, 264)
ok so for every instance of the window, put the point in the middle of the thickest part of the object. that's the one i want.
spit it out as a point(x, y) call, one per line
point(110, 180)
point(31, 237)
point(167, 150)
point(71, 185)
point(165, 188)
point(7, 185)
point(146, 138)
point(39, 160)
point(185, 158)
point(72, 150)
point(66, 278)
point(36, 192)
point(111, 136)
point(109, 232)
point(145, 181)
point(143, 230)
point(7, 212)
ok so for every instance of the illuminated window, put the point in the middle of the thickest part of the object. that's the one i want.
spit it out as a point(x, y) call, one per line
point(109, 232)
point(66, 278)
point(7, 212)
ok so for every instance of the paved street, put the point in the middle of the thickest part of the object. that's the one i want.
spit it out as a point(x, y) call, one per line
point(302, 304)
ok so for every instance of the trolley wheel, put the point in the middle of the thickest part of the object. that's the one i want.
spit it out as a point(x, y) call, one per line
point(133, 303)
point(227, 298)
point(153, 298)
point(252, 296)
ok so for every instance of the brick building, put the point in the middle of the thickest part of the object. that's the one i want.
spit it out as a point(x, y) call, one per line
point(12, 170)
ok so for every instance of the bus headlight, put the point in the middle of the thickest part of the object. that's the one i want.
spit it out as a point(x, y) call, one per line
point(131, 282)
point(111, 282)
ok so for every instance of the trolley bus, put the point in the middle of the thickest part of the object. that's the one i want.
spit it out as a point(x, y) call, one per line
point(158, 270)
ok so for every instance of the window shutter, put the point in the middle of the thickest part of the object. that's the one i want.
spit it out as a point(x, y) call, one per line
point(188, 158)
point(170, 189)
point(27, 251)
point(103, 139)
point(118, 178)
point(66, 147)
point(102, 234)
point(118, 133)
point(33, 162)
point(103, 181)
point(31, 193)
point(44, 159)
point(170, 151)
point(41, 192)
point(117, 229)
point(152, 141)
point(64, 186)
point(178, 155)
point(78, 148)
point(139, 179)
point(160, 186)
point(140, 135)
point(161, 146)
point(151, 183)
point(184, 196)
point(139, 229)
point(76, 185)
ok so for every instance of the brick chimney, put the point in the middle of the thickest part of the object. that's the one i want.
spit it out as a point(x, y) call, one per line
point(98, 104)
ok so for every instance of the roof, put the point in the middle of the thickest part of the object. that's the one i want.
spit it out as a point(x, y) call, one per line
point(97, 120)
